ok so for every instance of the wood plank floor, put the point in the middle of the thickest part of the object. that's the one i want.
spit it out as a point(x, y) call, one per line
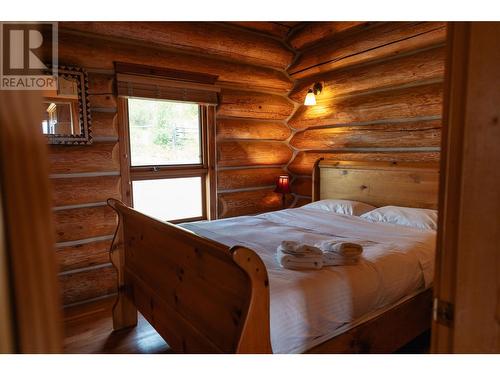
point(89, 329)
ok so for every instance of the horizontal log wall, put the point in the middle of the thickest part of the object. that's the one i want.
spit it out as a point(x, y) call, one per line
point(252, 132)
point(88, 285)
point(96, 53)
point(303, 161)
point(83, 178)
point(275, 29)
point(252, 150)
point(211, 38)
point(381, 97)
point(311, 33)
point(383, 106)
point(382, 40)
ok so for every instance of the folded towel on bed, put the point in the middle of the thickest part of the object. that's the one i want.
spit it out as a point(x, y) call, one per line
point(293, 262)
point(332, 259)
point(298, 249)
point(296, 256)
point(341, 248)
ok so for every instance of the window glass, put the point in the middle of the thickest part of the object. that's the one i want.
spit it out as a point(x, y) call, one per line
point(169, 199)
point(164, 132)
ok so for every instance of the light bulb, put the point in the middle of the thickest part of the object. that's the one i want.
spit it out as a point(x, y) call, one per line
point(310, 98)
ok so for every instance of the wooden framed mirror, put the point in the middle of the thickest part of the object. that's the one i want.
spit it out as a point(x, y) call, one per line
point(66, 110)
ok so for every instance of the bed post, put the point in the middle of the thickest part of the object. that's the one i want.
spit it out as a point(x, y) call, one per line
point(255, 335)
point(124, 310)
point(315, 180)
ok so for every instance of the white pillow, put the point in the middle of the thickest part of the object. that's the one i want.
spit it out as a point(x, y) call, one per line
point(341, 206)
point(420, 218)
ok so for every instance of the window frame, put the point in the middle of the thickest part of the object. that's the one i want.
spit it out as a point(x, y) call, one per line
point(205, 170)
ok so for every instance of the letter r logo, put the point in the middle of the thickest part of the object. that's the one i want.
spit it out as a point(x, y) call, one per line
point(28, 53)
point(25, 47)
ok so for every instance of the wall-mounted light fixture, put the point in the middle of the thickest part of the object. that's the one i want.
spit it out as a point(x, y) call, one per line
point(311, 94)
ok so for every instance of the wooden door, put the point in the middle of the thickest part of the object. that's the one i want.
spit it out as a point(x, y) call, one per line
point(467, 285)
point(6, 322)
point(31, 308)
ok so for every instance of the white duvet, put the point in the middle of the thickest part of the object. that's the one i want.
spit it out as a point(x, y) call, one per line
point(308, 306)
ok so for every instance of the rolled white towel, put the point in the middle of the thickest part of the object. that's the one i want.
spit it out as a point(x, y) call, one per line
point(342, 248)
point(297, 249)
point(293, 262)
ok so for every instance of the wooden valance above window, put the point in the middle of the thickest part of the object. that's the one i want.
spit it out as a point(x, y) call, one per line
point(157, 83)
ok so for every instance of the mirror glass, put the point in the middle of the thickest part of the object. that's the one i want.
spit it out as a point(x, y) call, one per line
point(60, 109)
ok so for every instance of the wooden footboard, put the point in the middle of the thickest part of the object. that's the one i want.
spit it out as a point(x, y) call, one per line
point(199, 295)
point(386, 332)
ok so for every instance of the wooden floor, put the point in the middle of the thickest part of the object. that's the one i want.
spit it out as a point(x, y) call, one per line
point(89, 329)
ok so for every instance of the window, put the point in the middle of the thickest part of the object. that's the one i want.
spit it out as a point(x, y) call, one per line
point(169, 164)
point(164, 132)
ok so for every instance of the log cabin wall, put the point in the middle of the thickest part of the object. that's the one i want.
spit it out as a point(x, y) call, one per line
point(381, 98)
point(252, 150)
point(250, 60)
point(83, 177)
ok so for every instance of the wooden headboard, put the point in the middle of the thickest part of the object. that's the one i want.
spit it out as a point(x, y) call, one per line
point(377, 183)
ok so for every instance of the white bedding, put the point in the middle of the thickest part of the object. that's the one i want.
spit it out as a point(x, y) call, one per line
point(308, 306)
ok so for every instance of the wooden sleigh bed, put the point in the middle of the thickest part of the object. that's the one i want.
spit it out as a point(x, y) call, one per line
point(204, 297)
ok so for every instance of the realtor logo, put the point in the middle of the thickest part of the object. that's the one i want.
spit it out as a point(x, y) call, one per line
point(28, 55)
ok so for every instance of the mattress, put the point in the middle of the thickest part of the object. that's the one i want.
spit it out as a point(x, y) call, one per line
point(311, 306)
